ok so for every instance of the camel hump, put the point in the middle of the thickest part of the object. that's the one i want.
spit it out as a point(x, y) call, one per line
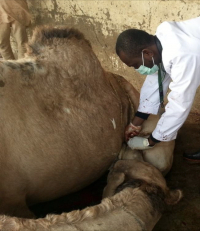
point(47, 36)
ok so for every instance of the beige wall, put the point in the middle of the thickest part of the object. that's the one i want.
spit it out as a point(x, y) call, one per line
point(102, 20)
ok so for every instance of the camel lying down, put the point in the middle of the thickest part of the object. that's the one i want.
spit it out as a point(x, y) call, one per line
point(62, 121)
point(136, 195)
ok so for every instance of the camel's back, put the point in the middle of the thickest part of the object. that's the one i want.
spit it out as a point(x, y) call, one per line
point(61, 121)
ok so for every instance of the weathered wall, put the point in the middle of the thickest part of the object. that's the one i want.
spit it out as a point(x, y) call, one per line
point(102, 20)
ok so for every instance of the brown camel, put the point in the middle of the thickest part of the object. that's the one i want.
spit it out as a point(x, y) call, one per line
point(136, 193)
point(62, 121)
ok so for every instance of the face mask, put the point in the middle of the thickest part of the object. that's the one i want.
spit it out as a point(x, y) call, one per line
point(146, 70)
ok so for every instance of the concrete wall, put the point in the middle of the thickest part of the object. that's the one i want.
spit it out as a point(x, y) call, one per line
point(102, 20)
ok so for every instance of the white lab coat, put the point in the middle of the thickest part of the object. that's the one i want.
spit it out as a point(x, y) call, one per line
point(181, 60)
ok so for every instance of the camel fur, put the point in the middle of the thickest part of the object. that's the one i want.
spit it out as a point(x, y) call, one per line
point(137, 203)
point(62, 121)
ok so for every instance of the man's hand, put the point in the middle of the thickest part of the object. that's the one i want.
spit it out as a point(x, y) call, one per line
point(131, 131)
point(139, 143)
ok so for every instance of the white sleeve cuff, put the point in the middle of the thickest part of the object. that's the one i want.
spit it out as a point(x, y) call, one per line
point(163, 137)
point(149, 109)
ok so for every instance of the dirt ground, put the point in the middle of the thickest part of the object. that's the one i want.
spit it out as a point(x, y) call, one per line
point(185, 216)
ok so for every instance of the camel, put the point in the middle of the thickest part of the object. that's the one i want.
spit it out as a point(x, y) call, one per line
point(62, 121)
point(135, 197)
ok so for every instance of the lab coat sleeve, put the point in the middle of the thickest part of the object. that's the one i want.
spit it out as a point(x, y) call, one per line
point(149, 94)
point(185, 80)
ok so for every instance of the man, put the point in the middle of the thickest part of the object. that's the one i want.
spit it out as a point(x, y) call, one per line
point(171, 59)
point(13, 15)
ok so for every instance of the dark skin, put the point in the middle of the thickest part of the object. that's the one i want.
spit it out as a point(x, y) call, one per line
point(136, 62)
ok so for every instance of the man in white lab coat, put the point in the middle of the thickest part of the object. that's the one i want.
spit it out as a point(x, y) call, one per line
point(171, 59)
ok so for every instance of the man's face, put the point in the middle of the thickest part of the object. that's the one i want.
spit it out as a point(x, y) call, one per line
point(136, 62)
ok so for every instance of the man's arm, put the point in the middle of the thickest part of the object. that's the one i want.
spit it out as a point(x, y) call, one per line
point(149, 104)
point(185, 75)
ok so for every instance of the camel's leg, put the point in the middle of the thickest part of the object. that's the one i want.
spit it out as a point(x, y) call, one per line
point(127, 153)
point(15, 207)
point(160, 156)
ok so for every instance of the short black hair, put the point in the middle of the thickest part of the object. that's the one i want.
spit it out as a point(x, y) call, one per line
point(133, 41)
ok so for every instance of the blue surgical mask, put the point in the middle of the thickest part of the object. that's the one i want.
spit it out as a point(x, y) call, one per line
point(146, 70)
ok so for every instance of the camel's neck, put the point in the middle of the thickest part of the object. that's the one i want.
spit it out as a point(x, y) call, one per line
point(137, 204)
point(128, 210)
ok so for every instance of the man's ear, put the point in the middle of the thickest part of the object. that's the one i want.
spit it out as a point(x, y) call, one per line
point(148, 54)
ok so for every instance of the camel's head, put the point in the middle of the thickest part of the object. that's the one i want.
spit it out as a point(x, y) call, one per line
point(140, 174)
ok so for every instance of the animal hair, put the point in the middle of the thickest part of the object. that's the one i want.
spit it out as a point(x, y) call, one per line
point(155, 194)
point(47, 35)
